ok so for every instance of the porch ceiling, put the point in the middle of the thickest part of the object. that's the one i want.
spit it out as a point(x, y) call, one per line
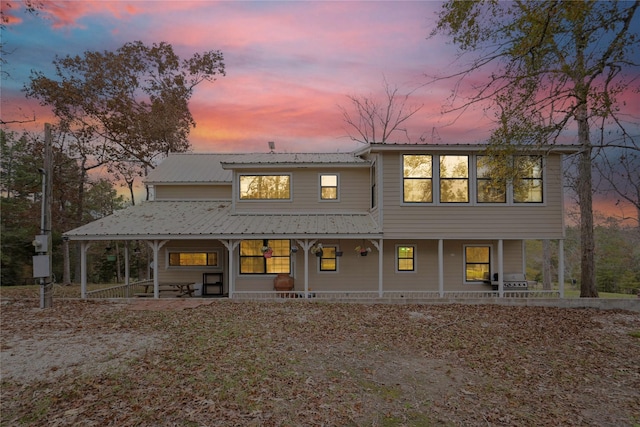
point(214, 219)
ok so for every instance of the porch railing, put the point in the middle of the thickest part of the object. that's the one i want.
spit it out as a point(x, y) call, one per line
point(121, 291)
point(391, 295)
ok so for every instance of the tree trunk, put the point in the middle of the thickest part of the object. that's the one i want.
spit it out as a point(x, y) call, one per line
point(588, 287)
point(546, 265)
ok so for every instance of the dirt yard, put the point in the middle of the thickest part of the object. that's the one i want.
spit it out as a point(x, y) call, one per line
point(223, 363)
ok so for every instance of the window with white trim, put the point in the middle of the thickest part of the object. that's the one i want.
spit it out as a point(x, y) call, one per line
point(329, 260)
point(265, 256)
point(265, 187)
point(488, 189)
point(477, 263)
point(328, 187)
point(454, 178)
point(406, 258)
point(417, 178)
point(193, 259)
point(527, 185)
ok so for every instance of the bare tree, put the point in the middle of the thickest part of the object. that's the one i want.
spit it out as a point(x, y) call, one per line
point(373, 120)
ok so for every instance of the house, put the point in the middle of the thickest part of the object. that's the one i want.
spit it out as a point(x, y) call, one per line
point(388, 220)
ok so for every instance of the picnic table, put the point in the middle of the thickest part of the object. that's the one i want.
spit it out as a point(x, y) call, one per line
point(179, 289)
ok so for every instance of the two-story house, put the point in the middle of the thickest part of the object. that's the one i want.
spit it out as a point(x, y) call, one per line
point(388, 220)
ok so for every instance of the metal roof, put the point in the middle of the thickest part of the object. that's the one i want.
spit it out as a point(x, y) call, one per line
point(213, 219)
point(191, 168)
point(295, 159)
point(211, 168)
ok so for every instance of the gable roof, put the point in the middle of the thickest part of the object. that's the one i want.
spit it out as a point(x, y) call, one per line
point(191, 168)
point(271, 160)
point(212, 168)
point(214, 220)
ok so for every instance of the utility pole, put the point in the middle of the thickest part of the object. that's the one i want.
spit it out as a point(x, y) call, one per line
point(43, 242)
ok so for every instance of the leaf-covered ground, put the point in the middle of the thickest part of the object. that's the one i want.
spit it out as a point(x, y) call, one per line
point(301, 363)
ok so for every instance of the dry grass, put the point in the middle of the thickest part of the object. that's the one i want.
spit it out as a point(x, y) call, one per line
point(302, 363)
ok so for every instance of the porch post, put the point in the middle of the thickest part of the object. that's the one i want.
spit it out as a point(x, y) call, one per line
point(156, 245)
point(126, 265)
point(231, 246)
point(561, 267)
point(380, 271)
point(306, 245)
point(441, 268)
point(84, 247)
point(501, 268)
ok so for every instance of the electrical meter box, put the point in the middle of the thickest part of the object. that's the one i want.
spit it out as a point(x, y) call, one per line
point(41, 243)
point(41, 266)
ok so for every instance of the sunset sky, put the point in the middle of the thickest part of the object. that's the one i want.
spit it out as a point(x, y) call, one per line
point(289, 64)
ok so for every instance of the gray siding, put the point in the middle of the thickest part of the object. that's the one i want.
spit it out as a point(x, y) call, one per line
point(192, 192)
point(464, 221)
point(354, 192)
point(190, 274)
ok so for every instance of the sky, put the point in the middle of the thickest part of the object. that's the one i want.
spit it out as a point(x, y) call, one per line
point(290, 65)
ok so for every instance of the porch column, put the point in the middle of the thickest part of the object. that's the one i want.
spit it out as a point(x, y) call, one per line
point(306, 245)
point(380, 270)
point(231, 246)
point(441, 268)
point(156, 245)
point(561, 267)
point(84, 247)
point(500, 268)
point(127, 272)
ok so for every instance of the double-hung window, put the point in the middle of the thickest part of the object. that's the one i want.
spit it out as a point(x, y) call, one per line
point(417, 178)
point(405, 258)
point(477, 262)
point(488, 189)
point(265, 187)
point(527, 185)
point(329, 260)
point(265, 256)
point(454, 179)
point(329, 187)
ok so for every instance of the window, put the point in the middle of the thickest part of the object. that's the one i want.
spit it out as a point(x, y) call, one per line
point(489, 190)
point(417, 173)
point(374, 180)
point(328, 260)
point(253, 261)
point(329, 187)
point(193, 259)
point(265, 187)
point(527, 186)
point(405, 258)
point(477, 261)
point(454, 179)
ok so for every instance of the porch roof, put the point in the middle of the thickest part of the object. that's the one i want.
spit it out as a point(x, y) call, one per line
point(191, 220)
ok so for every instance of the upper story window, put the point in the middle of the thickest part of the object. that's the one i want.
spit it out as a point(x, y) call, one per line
point(527, 185)
point(254, 258)
point(417, 178)
point(329, 187)
point(488, 190)
point(193, 259)
point(265, 187)
point(454, 179)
